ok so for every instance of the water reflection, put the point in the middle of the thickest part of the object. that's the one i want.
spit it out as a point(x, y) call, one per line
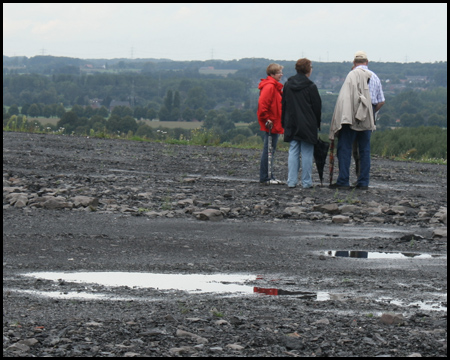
point(381, 255)
point(197, 283)
point(274, 291)
point(354, 254)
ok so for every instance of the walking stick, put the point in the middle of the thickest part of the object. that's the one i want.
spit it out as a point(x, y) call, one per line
point(269, 154)
point(331, 160)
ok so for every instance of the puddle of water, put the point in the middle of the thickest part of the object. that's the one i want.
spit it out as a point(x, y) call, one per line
point(422, 305)
point(196, 283)
point(324, 296)
point(68, 295)
point(381, 255)
point(319, 296)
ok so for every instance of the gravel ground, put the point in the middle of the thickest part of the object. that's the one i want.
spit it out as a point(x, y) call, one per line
point(130, 211)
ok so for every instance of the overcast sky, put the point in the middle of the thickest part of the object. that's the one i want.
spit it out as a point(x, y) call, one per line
point(320, 32)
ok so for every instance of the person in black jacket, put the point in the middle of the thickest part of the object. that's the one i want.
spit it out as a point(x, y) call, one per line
point(300, 118)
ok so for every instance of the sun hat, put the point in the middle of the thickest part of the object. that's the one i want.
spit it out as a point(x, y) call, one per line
point(359, 55)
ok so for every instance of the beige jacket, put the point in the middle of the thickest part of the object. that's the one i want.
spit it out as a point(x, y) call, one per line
point(353, 105)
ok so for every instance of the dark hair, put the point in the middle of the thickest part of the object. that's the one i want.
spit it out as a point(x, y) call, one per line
point(303, 66)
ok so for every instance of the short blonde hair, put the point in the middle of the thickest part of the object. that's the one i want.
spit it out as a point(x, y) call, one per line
point(272, 69)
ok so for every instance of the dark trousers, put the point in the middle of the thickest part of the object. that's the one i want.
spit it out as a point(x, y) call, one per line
point(264, 167)
point(347, 137)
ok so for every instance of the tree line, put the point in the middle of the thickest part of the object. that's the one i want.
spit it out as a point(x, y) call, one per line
point(421, 143)
point(188, 99)
point(177, 91)
point(246, 67)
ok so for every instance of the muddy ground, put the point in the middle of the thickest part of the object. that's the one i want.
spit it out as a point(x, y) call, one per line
point(73, 204)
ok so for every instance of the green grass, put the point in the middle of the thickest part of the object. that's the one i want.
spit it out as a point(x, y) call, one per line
point(44, 121)
point(154, 124)
point(189, 125)
point(208, 138)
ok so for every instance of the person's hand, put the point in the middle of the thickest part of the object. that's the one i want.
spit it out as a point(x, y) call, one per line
point(269, 124)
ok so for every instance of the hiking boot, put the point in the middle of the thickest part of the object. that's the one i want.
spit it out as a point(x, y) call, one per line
point(359, 187)
point(336, 186)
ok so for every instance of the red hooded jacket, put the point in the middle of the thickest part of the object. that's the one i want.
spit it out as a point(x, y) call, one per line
point(269, 104)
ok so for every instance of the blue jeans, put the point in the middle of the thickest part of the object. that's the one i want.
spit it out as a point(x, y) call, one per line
point(264, 167)
point(344, 154)
point(307, 151)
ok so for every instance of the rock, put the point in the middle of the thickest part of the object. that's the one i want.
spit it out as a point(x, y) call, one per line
point(209, 214)
point(235, 347)
point(145, 195)
point(51, 202)
point(228, 194)
point(328, 208)
point(392, 319)
point(93, 323)
point(11, 189)
point(340, 219)
point(20, 201)
point(369, 341)
point(315, 215)
point(401, 210)
point(221, 322)
point(216, 349)
point(440, 232)
point(323, 321)
point(440, 216)
point(130, 354)
point(182, 350)
point(151, 214)
point(348, 209)
point(84, 201)
point(18, 347)
point(379, 338)
point(189, 180)
point(12, 197)
point(294, 210)
point(56, 203)
point(293, 343)
point(197, 338)
point(186, 202)
point(372, 210)
point(29, 342)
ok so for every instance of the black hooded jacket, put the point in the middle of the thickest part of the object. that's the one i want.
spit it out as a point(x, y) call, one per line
point(301, 109)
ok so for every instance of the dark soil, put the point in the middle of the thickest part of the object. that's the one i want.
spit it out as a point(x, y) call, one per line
point(173, 209)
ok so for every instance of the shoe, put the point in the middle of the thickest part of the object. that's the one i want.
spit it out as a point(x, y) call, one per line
point(359, 187)
point(336, 186)
point(276, 182)
point(272, 182)
point(292, 186)
point(309, 188)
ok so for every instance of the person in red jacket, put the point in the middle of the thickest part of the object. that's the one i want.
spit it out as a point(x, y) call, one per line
point(269, 117)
